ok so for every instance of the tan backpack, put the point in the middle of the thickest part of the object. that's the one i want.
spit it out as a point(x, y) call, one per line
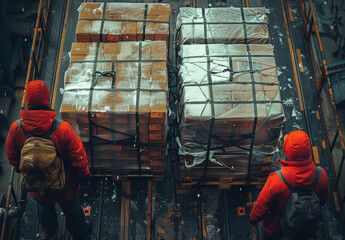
point(41, 168)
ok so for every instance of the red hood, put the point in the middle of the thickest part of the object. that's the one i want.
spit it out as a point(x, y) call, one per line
point(37, 122)
point(298, 168)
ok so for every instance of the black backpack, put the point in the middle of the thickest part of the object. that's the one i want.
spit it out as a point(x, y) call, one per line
point(302, 212)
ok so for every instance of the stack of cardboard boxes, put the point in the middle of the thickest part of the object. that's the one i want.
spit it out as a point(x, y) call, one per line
point(115, 96)
point(231, 112)
point(114, 22)
point(222, 25)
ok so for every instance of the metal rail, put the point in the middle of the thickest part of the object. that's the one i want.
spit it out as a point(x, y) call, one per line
point(320, 83)
point(37, 49)
point(321, 74)
point(9, 193)
point(38, 44)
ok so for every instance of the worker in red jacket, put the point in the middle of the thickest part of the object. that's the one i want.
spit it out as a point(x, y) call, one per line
point(38, 120)
point(298, 170)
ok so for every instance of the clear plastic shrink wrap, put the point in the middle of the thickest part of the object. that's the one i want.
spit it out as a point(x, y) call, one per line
point(230, 110)
point(123, 106)
point(222, 25)
point(114, 22)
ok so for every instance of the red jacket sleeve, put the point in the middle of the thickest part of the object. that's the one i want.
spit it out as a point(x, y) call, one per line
point(322, 189)
point(14, 142)
point(75, 151)
point(264, 201)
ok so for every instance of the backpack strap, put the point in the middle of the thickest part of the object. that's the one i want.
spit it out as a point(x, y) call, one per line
point(318, 173)
point(54, 127)
point(27, 135)
point(280, 175)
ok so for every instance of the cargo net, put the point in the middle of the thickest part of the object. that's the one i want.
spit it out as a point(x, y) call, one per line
point(231, 113)
point(115, 98)
point(222, 25)
point(114, 22)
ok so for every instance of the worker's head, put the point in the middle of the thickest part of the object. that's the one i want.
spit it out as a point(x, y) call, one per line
point(37, 94)
point(297, 146)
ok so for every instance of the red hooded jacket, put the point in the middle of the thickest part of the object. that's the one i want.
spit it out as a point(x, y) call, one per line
point(299, 174)
point(67, 143)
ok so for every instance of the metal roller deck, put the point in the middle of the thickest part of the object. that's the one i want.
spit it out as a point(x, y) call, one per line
point(141, 208)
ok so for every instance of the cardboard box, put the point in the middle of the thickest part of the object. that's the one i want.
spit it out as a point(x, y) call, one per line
point(115, 99)
point(123, 22)
point(222, 25)
point(236, 86)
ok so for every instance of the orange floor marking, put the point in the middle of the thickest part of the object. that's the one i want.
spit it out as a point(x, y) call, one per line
point(292, 58)
point(337, 207)
point(316, 155)
point(290, 12)
point(317, 114)
point(299, 58)
point(122, 219)
point(323, 143)
point(60, 56)
point(149, 210)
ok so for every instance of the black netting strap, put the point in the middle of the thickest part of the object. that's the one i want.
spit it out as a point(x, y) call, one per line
point(102, 22)
point(114, 90)
point(137, 107)
point(205, 32)
point(255, 102)
point(124, 20)
point(232, 73)
point(114, 61)
point(210, 132)
point(244, 27)
point(232, 23)
point(232, 56)
point(113, 70)
point(91, 122)
point(115, 131)
point(144, 23)
point(236, 102)
point(192, 84)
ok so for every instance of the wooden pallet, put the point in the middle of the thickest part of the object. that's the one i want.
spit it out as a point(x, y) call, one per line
point(223, 183)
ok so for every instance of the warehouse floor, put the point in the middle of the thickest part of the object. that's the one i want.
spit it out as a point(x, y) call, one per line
point(143, 209)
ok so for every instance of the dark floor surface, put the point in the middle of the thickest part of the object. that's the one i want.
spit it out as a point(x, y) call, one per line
point(140, 208)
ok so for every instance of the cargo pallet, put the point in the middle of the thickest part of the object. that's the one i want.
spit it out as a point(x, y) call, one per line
point(222, 183)
point(133, 207)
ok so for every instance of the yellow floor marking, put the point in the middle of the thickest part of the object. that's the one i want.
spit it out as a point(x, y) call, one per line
point(292, 59)
point(149, 210)
point(122, 219)
point(317, 114)
point(318, 235)
point(325, 98)
point(299, 57)
point(323, 143)
point(60, 56)
point(126, 237)
point(290, 12)
point(316, 155)
point(337, 207)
